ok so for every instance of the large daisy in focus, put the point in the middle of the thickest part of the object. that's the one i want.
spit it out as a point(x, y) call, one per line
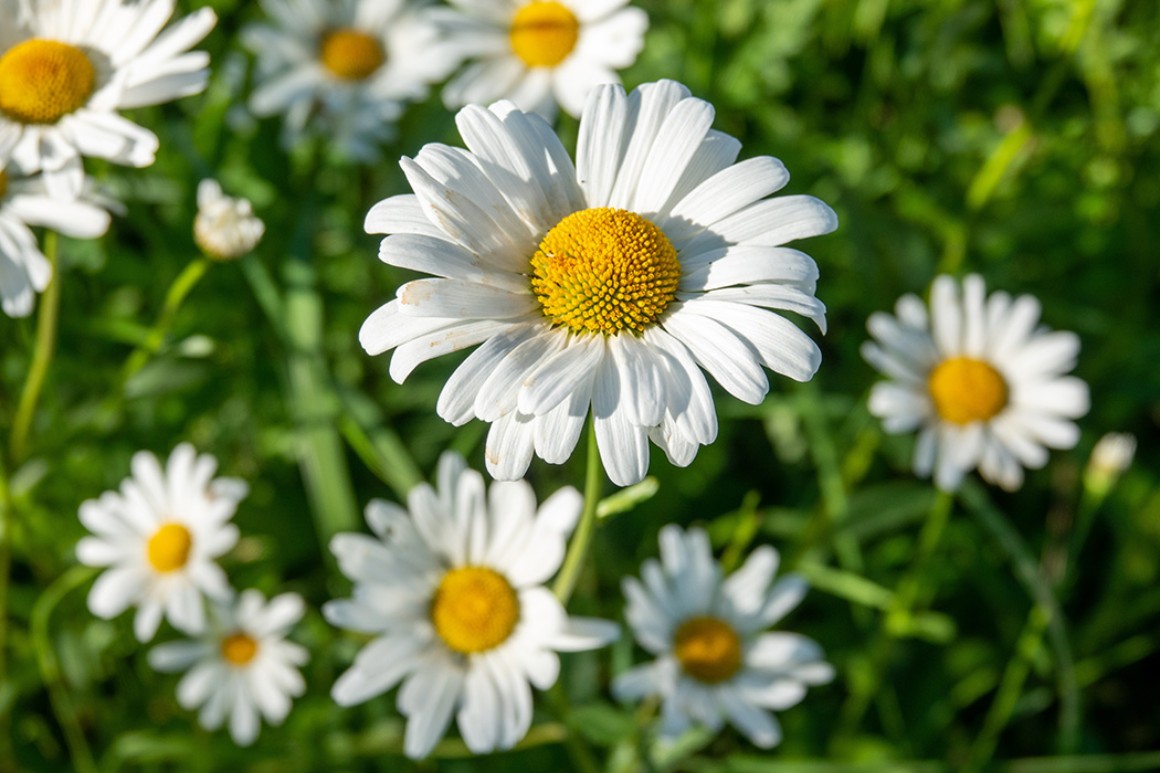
point(715, 661)
point(159, 536)
point(24, 202)
point(344, 70)
point(241, 667)
point(67, 68)
point(453, 593)
point(605, 286)
point(979, 379)
point(540, 53)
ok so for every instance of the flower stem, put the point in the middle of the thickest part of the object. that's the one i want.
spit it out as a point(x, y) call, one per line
point(912, 594)
point(182, 285)
point(46, 325)
point(578, 549)
point(62, 706)
point(6, 521)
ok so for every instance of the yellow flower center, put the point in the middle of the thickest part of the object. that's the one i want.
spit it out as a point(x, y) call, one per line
point(474, 609)
point(966, 390)
point(544, 33)
point(41, 81)
point(350, 54)
point(168, 548)
point(708, 649)
point(238, 649)
point(603, 270)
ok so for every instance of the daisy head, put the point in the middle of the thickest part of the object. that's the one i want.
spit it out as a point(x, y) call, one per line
point(606, 286)
point(225, 228)
point(241, 667)
point(24, 202)
point(540, 53)
point(67, 67)
point(159, 536)
point(978, 378)
point(715, 660)
point(345, 69)
point(453, 593)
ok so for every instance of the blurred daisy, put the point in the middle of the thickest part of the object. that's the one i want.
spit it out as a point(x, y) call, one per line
point(344, 69)
point(159, 537)
point(981, 382)
point(608, 285)
point(242, 666)
point(453, 592)
point(540, 53)
point(225, 228)
point(69, 66)
point(714, 659)
point(24, 202)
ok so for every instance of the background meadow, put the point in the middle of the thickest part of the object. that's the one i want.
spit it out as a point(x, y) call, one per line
point(1019, 139)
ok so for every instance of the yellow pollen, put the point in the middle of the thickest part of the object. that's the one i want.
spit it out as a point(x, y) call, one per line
point(238, 649)
point(168, 548)
point(350, 54)
point(474, 609)
point(544, 33)
point(604, 270)
point(708, 649)
point(965, 390)
point(41, 81)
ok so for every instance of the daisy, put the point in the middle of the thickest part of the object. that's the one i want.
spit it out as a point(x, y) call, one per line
point(242, 666)
point(540, 53)
point(714, 659)
point(607, 285)
point(69, 66)
point(25, 202)
point(344, 69)
point(453, 593)
point(159, 536)
point(225, 228)
point(981, 382)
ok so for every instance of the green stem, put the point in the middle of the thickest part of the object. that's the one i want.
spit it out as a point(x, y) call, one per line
point(62, 707)
point(578, 549)
point(384, 453)
point(181, 287)
point(6, 521)
point(897, 621)
point(1027, 571)
point(46, 325)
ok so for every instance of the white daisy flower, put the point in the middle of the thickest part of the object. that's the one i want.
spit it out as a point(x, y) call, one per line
point(25, 202)
point(715, 661)
point(344, 69)
point(453, 593)
point(242, 666)
point(606, 285)
point(540, 53)
point(71, 65)
point(159, 537)
point(225, 228)
point(981, 382)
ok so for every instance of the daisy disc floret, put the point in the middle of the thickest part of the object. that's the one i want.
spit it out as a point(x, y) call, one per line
point(608, 287)
point(242, 669)
point(25, 202)
point(67, 69)
point(540, 53)
point(452, 591)
point(715, 660)
point(159, 536)
point(344, 70)
point(978, 378)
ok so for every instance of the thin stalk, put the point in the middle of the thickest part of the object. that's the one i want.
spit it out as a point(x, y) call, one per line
point(62, 706)
point(47, 319)
point(578, 548)
point(896, 622)
point(6, 760)
point(181, 287)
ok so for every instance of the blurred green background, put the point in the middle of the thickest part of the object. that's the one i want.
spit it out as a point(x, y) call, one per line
point(1015, 138)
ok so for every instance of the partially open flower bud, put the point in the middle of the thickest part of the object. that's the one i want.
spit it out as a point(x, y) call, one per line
point(225, 228)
